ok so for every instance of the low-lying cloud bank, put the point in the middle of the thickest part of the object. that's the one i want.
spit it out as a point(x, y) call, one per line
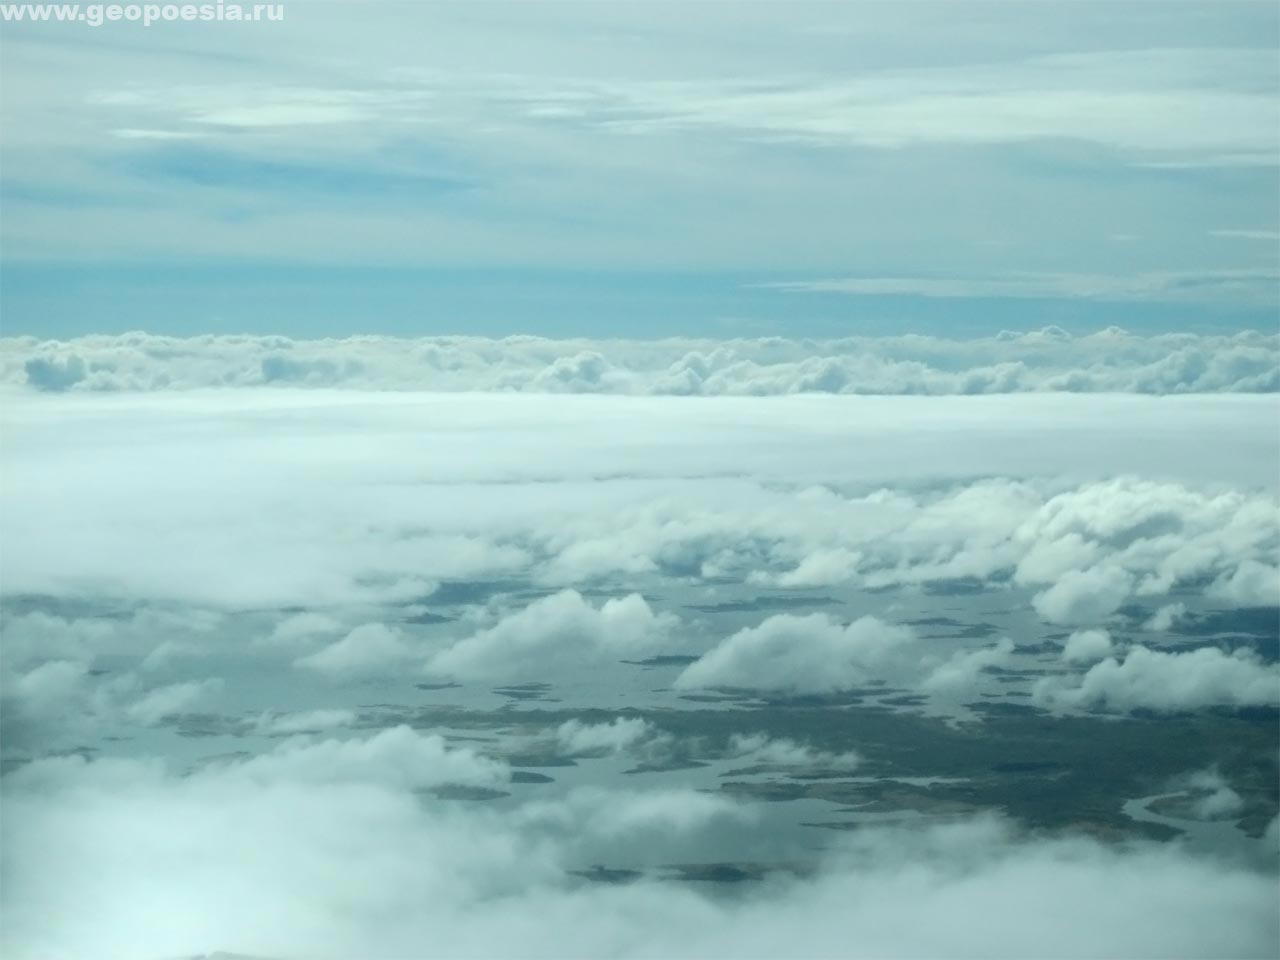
point(1111, 360)
point(332, 850)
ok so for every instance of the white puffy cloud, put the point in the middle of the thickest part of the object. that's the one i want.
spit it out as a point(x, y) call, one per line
point(157, 704)
point(824, 567)
point(397, 757)
point(271, 723)
point(1104, 540)
point(47, 689)
point(1156, 680)
point(627, 821)
point(1165, 617)
point(1049, 557)
point(62, 697)
point(369, 648)
point(39, 636)
point(54, 373)
point(1222, 803)
point(1213, 797)
point(959, 672)
point(1084, 596)
point(818, 654)
point(760, 748)
point(575, 738)
point(556, 631)
point(1251, 584)
point(162, 633)
point(801, 654)
point(302, 627)
point(1087, 646)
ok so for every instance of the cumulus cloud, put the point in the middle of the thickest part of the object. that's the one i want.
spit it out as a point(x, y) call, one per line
point(1051, 556)
point(62, 697)
point(1213, 798)
point(1156, 680)
point(1251, 584)
point(1089, 547)
point(800, 654)
point(54, 373)
point(575, 738)
point(562, 630)
point(627, 821)
point(369, 648)
point(1087, 646)
point(1108, 361)
point(397, 757)
point(760, 748)
point(1165, 617)
point(302, 627)
point(1084, 596)
point(824, 567)
point(818, 654)
point(36, 636)
point(305, 721)
point(173, 698)
point(47, 689)
point(959, 672)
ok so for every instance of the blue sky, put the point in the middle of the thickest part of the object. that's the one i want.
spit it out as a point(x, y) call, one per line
point(608, 169)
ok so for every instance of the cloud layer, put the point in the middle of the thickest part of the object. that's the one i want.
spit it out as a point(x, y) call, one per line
point(320, 498)
point(1047, 360)
point(323, 850)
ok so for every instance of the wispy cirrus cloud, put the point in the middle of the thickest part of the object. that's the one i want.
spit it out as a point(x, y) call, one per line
point(1258, 286)
point(660, 145)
